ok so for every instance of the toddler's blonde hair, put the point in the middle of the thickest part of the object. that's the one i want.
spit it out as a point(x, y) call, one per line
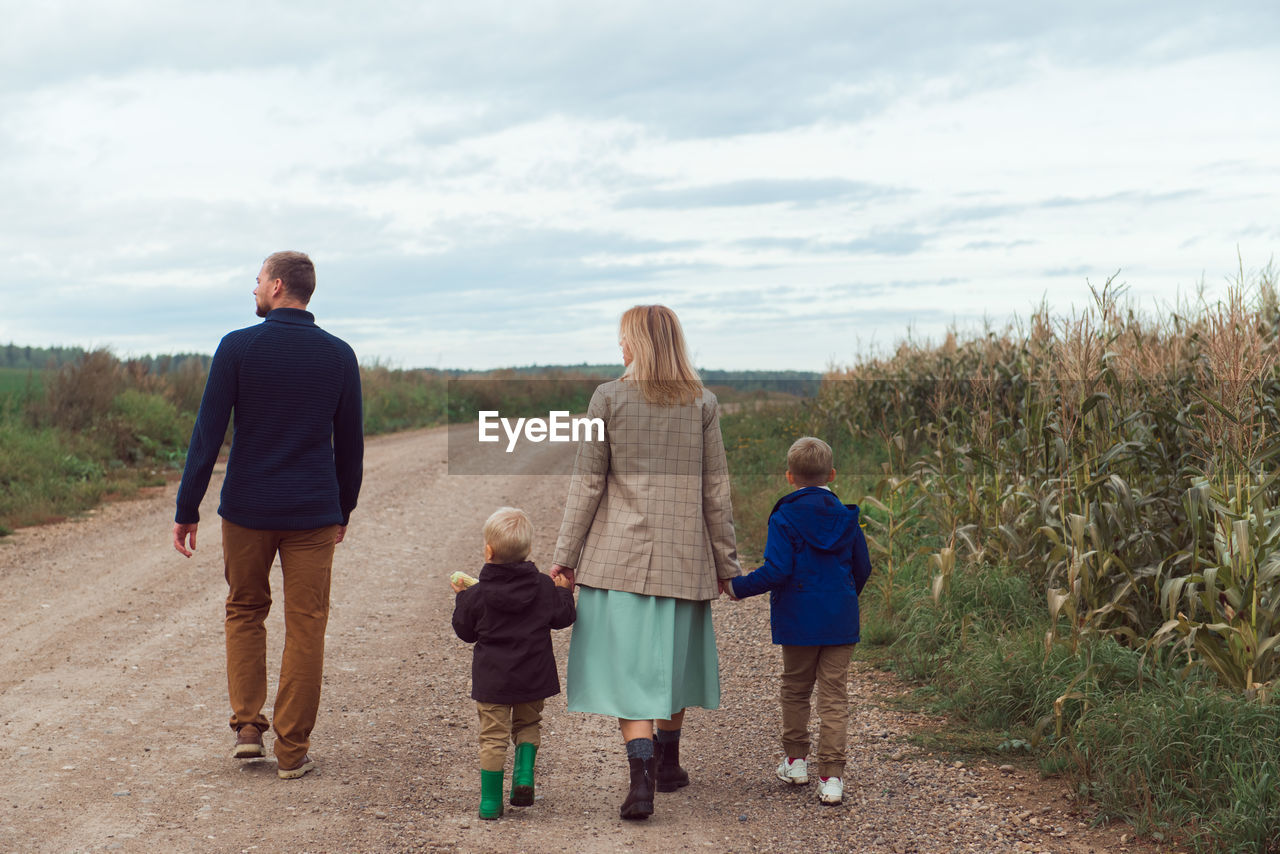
point(509, 533)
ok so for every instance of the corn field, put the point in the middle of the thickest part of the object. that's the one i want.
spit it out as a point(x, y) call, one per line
point(1128, 464)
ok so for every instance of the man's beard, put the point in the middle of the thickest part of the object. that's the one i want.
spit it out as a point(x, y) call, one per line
point(262, 310)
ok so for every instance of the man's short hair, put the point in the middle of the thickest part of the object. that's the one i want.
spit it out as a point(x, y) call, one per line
point(295, 270)
point(809, 460)
point(510, 534)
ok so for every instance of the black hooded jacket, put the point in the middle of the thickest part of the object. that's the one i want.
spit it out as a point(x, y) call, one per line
point(509, 616)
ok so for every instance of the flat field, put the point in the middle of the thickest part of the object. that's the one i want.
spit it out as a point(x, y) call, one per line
point(15, 380)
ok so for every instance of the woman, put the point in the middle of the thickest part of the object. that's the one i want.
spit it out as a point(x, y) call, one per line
point(648, 537)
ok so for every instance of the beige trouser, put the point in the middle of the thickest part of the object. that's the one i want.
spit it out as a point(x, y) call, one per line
point(519, 722)
point(306, 561)
point(828, 666)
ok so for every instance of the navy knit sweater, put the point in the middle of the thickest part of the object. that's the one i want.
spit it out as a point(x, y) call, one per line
point(297, 453)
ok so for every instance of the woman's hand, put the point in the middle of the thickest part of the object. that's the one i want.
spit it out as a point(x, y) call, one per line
point(726, 587)
point(558, 572)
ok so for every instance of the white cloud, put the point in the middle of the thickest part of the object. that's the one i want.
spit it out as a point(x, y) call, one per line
point(457, 169)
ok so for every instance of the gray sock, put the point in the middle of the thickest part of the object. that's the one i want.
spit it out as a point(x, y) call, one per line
point(666, 736)
point(640, 748)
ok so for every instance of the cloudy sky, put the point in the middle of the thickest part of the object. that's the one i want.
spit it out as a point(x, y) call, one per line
point(484, 184)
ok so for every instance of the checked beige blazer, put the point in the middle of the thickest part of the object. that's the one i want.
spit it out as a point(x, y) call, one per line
point(648, 509)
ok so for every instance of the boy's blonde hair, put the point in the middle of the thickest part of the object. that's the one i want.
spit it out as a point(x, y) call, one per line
point(810, 460)
point(510, 534)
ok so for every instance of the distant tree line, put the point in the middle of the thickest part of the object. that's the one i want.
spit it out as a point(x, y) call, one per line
point(170, 362)
point(799, 383)
point(26, 357)
point(529, 370)
point(37, 358)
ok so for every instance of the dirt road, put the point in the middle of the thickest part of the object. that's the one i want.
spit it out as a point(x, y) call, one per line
point(113, 715)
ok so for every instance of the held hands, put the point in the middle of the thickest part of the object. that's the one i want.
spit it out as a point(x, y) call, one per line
point(563, 576)
point(558, 572)
point(726, 587)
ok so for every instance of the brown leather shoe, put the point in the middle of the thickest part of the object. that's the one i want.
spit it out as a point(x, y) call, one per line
point(307, 764)
point(248, 743)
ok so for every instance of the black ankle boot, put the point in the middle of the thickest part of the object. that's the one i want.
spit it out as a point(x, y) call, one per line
point(639, 802)
point(670, 776)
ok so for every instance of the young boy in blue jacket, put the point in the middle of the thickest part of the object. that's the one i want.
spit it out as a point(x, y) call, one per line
point(815, 565)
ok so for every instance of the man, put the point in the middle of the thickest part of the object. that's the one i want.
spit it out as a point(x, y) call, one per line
point(292, 481)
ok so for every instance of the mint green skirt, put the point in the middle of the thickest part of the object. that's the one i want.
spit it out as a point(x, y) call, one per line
point(641, 657)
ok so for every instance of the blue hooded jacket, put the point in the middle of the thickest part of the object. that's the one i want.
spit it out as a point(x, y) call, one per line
point(815, 565)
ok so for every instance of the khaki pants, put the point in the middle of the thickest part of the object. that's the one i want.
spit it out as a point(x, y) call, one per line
point(519, 723)
point(306, 560)
point(828, 666)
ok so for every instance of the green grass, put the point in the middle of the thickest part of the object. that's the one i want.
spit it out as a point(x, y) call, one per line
point(401, 400)
point(1167, 751)
point(44, 474)
point(1184, 758)
point(19, 383)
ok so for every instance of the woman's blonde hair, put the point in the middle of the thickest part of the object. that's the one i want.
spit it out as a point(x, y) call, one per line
point(659, 361)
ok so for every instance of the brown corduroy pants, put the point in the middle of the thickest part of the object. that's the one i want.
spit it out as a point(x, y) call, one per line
point(828, 667)
point(306, 562)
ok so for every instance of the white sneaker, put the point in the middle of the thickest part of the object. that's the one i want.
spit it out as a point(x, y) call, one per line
point(831, 791)
point(793, 771)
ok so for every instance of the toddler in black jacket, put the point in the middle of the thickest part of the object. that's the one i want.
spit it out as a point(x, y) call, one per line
point(508, 614)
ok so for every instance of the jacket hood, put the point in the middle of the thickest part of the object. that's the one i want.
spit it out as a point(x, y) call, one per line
point(818, 516)
point(510, 587)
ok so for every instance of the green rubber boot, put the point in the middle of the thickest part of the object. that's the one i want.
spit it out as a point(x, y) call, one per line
point(490, 794)
point(522, 775)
